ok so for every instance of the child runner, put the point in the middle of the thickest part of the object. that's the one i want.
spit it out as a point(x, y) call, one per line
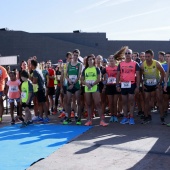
point(26, 97)
point(13, 94)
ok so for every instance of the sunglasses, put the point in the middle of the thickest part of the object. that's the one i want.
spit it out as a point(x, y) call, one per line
point(128, 53)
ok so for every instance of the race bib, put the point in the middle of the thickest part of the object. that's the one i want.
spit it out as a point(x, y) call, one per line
point(58, 77)
point(13, 88)
point(73, 78)
point(111, 80)
point(23, 95)
point(90, 82)
point(151, 82)
point(126, 84)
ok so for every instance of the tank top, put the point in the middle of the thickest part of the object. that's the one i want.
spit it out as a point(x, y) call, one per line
point(73, 72)
point(111, 75)
point(90, 78)
point(151, 75)
point(128, 71)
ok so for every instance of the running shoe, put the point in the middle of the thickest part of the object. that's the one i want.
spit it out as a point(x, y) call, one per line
point(62, 114)
point(29, 122)
point(12, 122)
point(131, 121)
point(111, 119)
point(23, 125)
point(55, 112)
point(78, 122)
point(67, 121)
point(40, 119)
point(163, 121)
point(125, 120)
point(103, 123)
point(46, 120)
point(168, 124)
point(88, 123)
point(145, 120)
point(115, 119)
point(21, 119)
point(35, 119)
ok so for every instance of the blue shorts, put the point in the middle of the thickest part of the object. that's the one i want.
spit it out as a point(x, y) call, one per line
point(1, 93)
point(12, 100)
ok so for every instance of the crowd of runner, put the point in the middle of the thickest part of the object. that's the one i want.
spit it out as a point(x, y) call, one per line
point(96, 86)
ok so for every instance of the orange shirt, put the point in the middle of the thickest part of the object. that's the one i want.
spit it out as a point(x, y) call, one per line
point(51, 72)
point(3, 76)
point(13, 92)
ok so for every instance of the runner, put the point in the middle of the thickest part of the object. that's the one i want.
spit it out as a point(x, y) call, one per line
point(110, 73)
point(3, 80)
point(26, 97)
point(39, 91)
point(153, 75)
point(90, 78)
point(73, 86)
point(63, 82)
point(129, 77)
point(13, 89)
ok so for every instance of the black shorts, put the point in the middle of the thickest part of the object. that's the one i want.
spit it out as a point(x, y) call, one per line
point(51, 91)
point(126, 91)
point(73, 90)
point(150, 88)
point(82, 90)
point(41, 96)
point(100, 87)
point(26, 105)
point(111, 90)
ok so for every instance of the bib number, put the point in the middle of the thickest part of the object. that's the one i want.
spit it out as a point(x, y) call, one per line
point(151, 82)
point(125, 84)
point(58, 77)
point(111, 80)
point(90, 82)
point(73, 78)
point(13, 88)
point(23, 95)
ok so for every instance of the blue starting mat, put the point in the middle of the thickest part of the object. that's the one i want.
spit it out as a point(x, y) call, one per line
point(20, 147)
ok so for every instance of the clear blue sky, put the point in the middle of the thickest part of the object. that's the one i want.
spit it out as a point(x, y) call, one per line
point(120, 19)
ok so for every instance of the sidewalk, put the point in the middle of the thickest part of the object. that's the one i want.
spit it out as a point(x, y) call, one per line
point(116, 147)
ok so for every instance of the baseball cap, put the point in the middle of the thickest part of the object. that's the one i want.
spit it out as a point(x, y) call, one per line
point(104, 60)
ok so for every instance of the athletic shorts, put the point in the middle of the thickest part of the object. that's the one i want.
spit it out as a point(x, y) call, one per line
point(111, 90)
point(126, 91)
point(1, 93)
point(12, 100)
point(82, 90)
point(150, 88)
point(100, 87)
point(51, 91)
point(26, 105)
point(40, 94)
point(73, 90)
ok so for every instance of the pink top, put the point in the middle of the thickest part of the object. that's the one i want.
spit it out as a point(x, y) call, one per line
point(128, 71)
point(13, 91)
